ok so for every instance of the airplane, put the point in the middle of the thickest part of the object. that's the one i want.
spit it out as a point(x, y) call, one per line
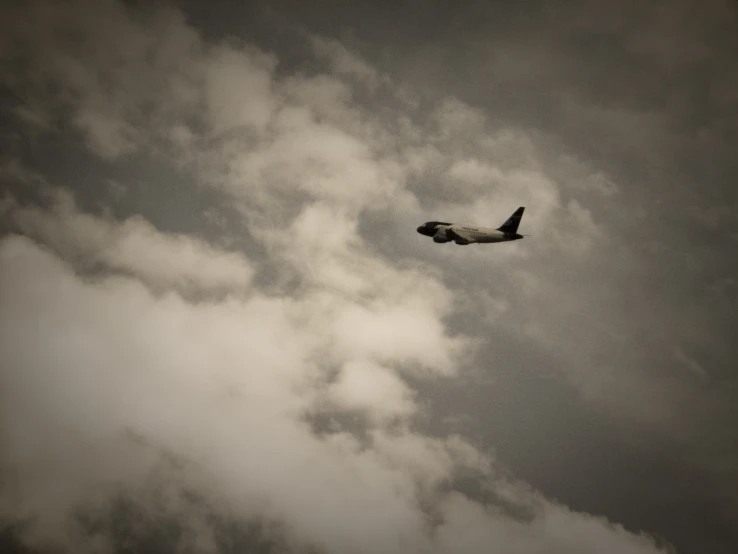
point(466, 234)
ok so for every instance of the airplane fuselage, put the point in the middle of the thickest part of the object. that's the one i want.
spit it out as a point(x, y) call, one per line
point(458, 233)
point(464, 234)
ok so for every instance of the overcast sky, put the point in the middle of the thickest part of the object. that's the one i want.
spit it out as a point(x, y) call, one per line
point(220, 332)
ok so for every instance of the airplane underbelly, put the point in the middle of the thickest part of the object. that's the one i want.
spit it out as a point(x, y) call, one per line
point(488, 238)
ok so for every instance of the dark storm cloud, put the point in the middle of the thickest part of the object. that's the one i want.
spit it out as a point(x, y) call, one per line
point(602, 345)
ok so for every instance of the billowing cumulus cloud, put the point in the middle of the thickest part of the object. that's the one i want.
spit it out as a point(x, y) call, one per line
point(221, 386)
point(280, 382)
point(102, 381)
point(135, 246)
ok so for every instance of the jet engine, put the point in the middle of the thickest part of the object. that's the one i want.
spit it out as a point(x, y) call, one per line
point(441, 236)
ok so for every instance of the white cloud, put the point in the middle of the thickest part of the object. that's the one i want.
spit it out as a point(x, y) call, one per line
point(368, 387)
point(135, 246)
point(487, 189)
point(387, 333)
point(316, 159)
point(91, 401)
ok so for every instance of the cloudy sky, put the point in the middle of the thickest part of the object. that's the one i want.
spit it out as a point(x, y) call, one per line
point(220, 332)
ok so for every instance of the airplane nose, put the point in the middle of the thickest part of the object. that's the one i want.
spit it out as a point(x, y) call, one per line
point(420, 229)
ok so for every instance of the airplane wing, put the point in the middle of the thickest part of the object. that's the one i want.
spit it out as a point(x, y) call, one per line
point(459, 237)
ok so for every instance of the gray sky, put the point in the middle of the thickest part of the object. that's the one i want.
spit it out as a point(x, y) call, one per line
point(220, 331)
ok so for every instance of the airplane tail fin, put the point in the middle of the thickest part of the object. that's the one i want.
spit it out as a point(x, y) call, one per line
point(511, 225)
